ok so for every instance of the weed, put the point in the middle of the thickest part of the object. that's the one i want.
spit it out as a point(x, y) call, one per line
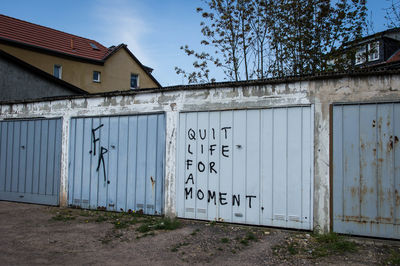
point(176, 247)
point(244, 241)
point(250, 236)
point(101, 219)
point(394, 258)
point(161, 224)
point(292, 249)
point(195, 232)
point(213, 223)
point(63, 217)
point(332, 243)
point(121, 224)
point(224, 240)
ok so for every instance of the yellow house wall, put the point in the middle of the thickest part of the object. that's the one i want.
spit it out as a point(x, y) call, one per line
point(115, 73)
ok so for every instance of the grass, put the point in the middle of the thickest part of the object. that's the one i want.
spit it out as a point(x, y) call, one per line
point(164, 223)
point(63, 217)
point(249, 237)
point(394, 258)
point(176, 247)
point(224, 240)
point(195, 232)
point(332, 243)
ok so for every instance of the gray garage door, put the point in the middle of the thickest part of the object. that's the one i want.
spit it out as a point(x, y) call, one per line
point(246, 166)
point(116, 163)
point(366, 169)
point(30, 158)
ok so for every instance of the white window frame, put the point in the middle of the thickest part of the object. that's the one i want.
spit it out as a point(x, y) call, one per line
point(137, 81)
point(98, 80)
point(59, 71)
point(373, 51)
point(361, 55)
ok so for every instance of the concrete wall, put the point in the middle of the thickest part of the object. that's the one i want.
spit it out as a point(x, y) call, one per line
point(17, 83)
point(319, 93)
point(115, 73)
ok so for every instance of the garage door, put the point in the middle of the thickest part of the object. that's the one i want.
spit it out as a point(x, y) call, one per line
point(366, 169)
point(30, 158)
point(116, 163)
point(246, 166)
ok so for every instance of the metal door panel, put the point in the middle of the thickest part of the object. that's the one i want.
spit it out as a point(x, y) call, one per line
point(365, 178)
point(250, 170)
point(30, 160)
point(116, 163)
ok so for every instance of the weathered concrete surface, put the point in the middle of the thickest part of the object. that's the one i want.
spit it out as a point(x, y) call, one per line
point(319, 93)
point(18, 82)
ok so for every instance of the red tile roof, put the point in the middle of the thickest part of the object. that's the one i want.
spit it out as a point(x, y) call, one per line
point(27, 33)
point(394, 58)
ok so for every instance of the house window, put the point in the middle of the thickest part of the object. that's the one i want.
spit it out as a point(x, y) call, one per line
point(373, 51)
point(360, 55)
point(96, 76)
point(57, 72)
point(134, 81)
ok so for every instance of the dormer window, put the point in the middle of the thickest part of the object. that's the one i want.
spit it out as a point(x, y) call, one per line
point(94, 46)
point(373, 51)
point(361, 55)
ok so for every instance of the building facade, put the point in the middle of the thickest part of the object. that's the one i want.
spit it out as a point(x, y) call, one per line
point(82, 62)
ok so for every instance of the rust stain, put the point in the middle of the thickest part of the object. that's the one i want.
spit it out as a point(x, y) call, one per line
point(380, 160)
point(397, 196)
point(354, 192)
point(390, 144)
point(396, 139)
point(153, 182)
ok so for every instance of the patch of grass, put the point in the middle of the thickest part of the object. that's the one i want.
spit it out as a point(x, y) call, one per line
point(195, 232)
point(176, 247)
point(244, 242)
point(121, 224)
point(292, 249)
point(394, 258)
point(63, 217)
point(164, 223)
point(224, 240)
point(251, 236)
point(100, 219)
point(332, 243)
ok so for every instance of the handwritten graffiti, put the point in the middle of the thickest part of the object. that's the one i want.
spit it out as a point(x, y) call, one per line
point(196, 146)
point(103, 151)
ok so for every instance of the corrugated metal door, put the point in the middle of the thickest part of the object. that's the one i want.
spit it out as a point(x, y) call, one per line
point(116, 163)
point(366, 169)
point(246, 166)
point(30, 160)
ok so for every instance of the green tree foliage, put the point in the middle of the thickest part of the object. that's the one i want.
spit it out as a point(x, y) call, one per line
point(267, 38)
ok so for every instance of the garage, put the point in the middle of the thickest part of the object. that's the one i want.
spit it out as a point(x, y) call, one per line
point(247, 166)
point(116, 163)
point(30, 160)
point(366, 169)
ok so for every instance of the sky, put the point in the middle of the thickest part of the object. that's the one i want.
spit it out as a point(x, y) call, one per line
point(154, 30)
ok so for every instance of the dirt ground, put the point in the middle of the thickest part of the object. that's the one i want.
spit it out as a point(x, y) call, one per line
point(42, 235)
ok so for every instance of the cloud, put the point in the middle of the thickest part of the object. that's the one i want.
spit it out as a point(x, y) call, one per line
point(121, 22)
